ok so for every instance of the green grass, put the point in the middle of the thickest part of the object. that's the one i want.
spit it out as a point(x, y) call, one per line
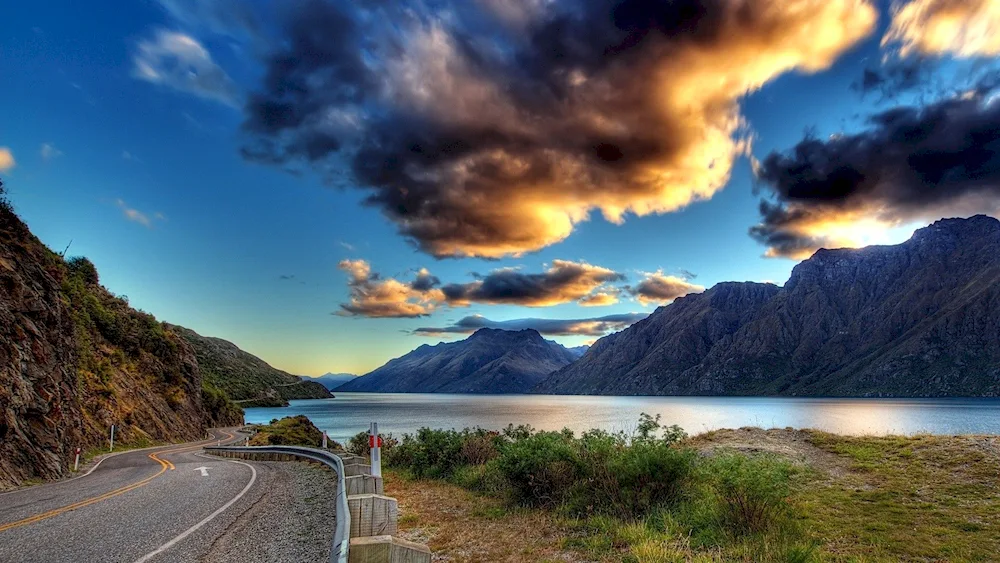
point(921, 498)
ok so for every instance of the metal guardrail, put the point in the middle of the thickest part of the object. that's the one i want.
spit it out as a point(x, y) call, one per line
point(341, 533)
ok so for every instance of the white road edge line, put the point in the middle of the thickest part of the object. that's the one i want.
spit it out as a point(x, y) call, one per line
point(209, 518)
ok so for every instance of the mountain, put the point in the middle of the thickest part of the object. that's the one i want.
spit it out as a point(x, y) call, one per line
point(75, 359)
point(333, 380)
point(579, 350)
point(247, 379)
point(489, 361)
point(918, 319)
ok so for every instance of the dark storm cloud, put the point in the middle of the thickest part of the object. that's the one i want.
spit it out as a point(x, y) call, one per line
point(912, 163)
point(597, 326)
point(492, 129)
point(563, 282)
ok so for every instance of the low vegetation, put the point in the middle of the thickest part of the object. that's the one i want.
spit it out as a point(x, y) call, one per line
point(289, 431)
point(643, 496)
point(734, 495)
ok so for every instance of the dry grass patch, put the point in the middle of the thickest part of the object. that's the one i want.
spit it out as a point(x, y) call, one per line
point(461, 526)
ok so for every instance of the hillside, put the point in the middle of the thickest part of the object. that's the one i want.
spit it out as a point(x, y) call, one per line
point(247, 379)
point(489, 361)
point(75, 359)
point(918, 319)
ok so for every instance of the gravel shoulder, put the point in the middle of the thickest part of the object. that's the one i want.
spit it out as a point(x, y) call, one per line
point(290, 518)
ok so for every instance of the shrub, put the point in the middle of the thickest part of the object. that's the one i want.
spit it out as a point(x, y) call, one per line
point(359, 444)
point(429, 453)
point(752, 491)
point(541, 468)
point(83, 269)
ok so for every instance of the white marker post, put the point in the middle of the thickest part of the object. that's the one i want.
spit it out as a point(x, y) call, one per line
point(325, 440)
point(375, 441)
point(112, 448)
point(76, 462)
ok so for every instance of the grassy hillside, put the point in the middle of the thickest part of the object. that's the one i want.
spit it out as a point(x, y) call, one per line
point(247, 379)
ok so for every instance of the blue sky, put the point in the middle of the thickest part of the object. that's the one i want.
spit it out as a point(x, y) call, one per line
point(147, 180)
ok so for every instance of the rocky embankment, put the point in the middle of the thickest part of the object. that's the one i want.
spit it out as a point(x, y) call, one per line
point(75, 359)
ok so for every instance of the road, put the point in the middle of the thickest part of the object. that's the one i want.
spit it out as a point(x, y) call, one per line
point(164, 504)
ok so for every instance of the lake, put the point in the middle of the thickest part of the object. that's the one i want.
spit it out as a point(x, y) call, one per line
point(398, 413)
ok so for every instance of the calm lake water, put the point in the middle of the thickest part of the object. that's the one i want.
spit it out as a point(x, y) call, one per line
point(400, 413)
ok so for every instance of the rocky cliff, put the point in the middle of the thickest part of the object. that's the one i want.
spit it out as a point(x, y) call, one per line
point(75, 359)
point(489, 361)
point(245, 378)
point(918, 319)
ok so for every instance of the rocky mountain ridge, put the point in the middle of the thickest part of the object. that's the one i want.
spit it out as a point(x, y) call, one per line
point(490, 361)
point(918, 319)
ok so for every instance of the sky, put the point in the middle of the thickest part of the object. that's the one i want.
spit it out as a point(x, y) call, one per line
point(330, 184)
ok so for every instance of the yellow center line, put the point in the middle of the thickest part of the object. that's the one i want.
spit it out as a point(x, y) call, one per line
point(164, 466)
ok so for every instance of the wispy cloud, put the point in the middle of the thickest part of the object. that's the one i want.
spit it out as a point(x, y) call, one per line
point(129, 156)
point(6, 159)
point(49, 151)
point(136, 216)
point(180, 62)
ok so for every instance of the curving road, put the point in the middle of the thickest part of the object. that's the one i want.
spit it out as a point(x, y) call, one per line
point(164, 504)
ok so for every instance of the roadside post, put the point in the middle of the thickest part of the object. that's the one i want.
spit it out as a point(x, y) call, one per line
point(375, 442)
point(325, 440)
point(112, 447)
point(76, 462)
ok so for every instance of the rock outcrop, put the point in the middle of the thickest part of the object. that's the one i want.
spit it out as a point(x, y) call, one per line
point(918, 319)
point(75, 359)
point(489, 361)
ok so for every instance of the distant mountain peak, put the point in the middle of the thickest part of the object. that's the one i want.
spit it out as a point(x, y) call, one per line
point(490, 360)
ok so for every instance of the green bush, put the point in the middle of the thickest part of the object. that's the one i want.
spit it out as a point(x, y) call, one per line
point(359, 444)
point(752, 491)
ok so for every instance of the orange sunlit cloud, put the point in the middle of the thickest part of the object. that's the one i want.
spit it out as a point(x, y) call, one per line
point(963, 28)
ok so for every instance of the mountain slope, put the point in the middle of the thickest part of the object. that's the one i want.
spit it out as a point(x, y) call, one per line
point(333, 380)
point(916, 319)
point(75, 359)
point(247, 379)
point(489, 361)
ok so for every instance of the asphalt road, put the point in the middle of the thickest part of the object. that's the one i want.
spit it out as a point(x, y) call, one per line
point(151, 505)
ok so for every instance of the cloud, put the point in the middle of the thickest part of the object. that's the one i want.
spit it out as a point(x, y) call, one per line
point(6, 159)
point(600, 299)
point(597, 326)
point(656, 287)
point(482, 138)
point(372, 296)
point(232, 18)
point(134, 215)
point(961, 28)
point(179, 61)
point(563, 282)
point(49, 151)
point(286, 277)
point(911, 164)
